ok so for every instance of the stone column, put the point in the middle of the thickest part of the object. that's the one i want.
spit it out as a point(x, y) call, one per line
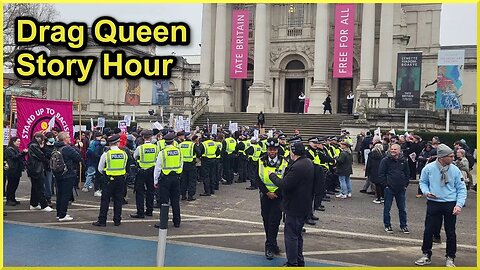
point(320, 88)
point(220, 46)
point(257, 95)
point(385, 65)
point(217, 92)
point(367, 54)
point(206, 66)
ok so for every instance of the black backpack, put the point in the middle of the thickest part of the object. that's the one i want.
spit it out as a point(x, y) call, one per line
point(57, 164)
point(471, 160)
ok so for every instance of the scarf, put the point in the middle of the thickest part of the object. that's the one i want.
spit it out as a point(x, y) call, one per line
point(443, 172)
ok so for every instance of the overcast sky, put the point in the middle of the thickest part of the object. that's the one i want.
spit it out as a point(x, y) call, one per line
point(458, 21)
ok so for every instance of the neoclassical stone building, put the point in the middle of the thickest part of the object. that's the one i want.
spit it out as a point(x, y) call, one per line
point(291, 48)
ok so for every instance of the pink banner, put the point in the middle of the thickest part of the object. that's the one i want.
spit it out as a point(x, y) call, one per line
point(343, 40)
point(307, 104)
point(239, 48)
point(35, 115)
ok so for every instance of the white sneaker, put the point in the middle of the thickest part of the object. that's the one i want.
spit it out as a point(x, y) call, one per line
point(38, 207)
point(98, 193)
point(424, 260)
point(449, 262)
point(349, 195)
point(341, 196)
point(66, 218)
point(67, 215)
point(377, 201)
point(85, 189)
point(47, 209)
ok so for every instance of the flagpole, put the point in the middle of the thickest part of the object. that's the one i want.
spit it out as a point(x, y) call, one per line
point(12, 99)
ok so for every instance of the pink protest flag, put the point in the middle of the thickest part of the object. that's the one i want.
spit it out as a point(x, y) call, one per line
point(35, 115)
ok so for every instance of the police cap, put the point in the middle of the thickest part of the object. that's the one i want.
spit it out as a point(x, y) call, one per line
point(282, 136)
point(169, 137)
point(295, 139)
point(113, 139)
point(272, 142)
point(147, 133)
point(313, 139)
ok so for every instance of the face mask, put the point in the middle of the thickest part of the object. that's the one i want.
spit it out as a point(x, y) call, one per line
point(103, 143)
point(51, 140)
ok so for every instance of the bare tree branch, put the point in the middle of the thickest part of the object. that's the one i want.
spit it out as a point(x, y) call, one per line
point(40, 12)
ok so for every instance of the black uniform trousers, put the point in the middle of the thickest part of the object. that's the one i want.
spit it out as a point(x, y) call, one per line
point(252, 171)
point(271, 215)
point(144, 191)
point(64, 191)
point(294, 240)
point(208, 168)
point(219, 171)
point(112, 189)
point(242, 168)
point(37, 191)
point(216, 177)
point(189, 179)
point(227, 168)
point(436, 211)
point(169, 188)
point(319, 186)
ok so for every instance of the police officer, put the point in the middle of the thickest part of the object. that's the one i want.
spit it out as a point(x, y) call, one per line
point(208, 152)
point(146, 155)
point(167, 176)
point(270, 194)
point(253, 153)
point(229, 145)
point(114, 164)
point(263, 143)
point(325, 160)
point(242, 159)
point(319, 174)
point(283, 149)
point(189, 174)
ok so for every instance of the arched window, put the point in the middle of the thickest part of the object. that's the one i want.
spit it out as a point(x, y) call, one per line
point(295, 17)
point(295, 64)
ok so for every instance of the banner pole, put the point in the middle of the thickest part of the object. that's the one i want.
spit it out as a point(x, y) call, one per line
point(448, 122)
point(12, 98)
point(406, 120)
point(80, 138)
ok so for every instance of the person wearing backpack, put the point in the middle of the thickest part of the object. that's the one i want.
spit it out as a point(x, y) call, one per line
point(36, 171)
point(93, 157)
point(62, 163)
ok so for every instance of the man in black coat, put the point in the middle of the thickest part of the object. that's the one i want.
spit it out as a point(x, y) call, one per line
point(297, 193)
point(71, 157)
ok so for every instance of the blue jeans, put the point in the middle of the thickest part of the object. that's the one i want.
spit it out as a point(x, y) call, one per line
point(90, 175)
point(345, 184)
point(48, 184)
point(389, 194)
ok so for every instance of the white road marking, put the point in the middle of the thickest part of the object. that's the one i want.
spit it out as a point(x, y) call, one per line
point(310, 230)
point(348, 251)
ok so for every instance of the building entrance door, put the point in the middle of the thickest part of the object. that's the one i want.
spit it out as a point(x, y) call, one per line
point(293, 88)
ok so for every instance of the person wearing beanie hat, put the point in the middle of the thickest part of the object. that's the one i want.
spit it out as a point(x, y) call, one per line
point(441, 182)
point(296, 185)
point(167, 176)
point(394, 175)
point(113, 164)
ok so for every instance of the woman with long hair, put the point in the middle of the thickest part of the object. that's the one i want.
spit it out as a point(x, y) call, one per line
point(14, 159)
point(371, 171)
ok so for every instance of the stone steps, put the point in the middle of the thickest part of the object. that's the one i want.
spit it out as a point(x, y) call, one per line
point(308, 124)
